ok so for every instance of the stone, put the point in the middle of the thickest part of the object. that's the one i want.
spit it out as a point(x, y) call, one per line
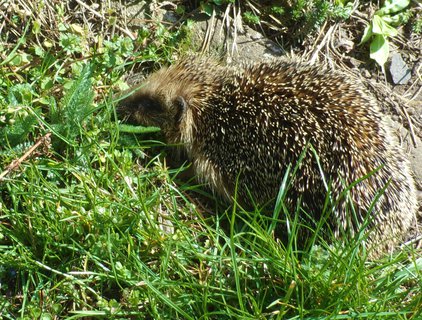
point(400, 72)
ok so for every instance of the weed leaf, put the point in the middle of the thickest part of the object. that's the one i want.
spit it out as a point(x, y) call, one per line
point(75, 106)
point(392, 6)
point(367, 34)
point(379, 49)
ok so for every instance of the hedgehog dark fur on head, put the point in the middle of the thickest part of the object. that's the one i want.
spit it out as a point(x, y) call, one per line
point(246, 125)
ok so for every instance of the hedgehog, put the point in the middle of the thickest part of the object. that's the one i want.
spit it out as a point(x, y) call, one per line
point(242, 127)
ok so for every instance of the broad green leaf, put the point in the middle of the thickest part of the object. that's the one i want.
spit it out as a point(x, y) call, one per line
point(379, 49)
point(380, 27)
point(366, 34)
point(392, 6)
point(388, 30)
point(207, 8)
point(39, 51)
point(46, 83)
point(181, 9)
point(376, 25)
point(397, 19)
point(76, 28)
point(20, 59)
point(36, 26)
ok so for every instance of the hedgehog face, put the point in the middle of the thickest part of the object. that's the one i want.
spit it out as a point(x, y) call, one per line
point(144, 108)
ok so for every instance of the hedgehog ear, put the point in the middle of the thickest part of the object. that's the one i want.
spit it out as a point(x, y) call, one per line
point(181, 107)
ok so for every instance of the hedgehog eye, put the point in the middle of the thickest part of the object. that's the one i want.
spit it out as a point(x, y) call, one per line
point(181, 105)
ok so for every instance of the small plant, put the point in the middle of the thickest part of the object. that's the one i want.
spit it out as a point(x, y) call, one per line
point(382, 26)
point(294, 20)
point(252, 18)
point(417, 26)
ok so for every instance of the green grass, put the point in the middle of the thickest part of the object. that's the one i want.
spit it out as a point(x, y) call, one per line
point(93, 224)
point(85, 241)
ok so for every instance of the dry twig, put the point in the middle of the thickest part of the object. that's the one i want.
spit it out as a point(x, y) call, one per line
point(15, 163)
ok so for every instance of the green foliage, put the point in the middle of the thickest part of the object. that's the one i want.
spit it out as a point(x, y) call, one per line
point(75, 107)
point(18, 118)
point(251, 17)
point(417, 26)
point(95, 245)
point(45, 96)
point(381, 28)
point(302, 16)
point(314, 13)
